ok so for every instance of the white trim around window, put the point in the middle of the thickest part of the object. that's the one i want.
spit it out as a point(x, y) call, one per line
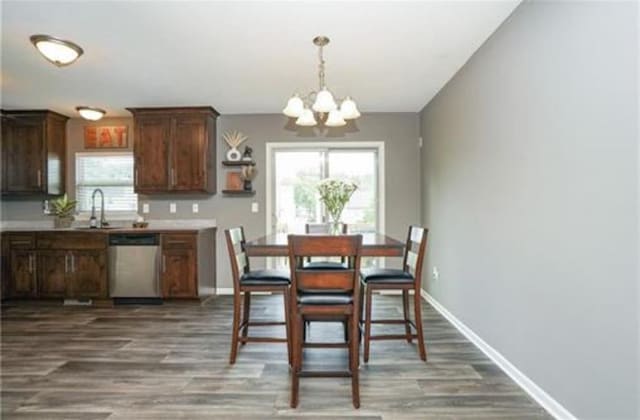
point(378, 145)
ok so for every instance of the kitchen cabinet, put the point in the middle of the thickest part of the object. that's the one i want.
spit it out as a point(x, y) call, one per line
point(23, 274)
point(179, 266)
point(175, 150)
point(33, 152)
point(56, 265)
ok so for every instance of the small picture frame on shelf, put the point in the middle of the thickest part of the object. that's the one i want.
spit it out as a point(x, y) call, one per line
point(234, 181)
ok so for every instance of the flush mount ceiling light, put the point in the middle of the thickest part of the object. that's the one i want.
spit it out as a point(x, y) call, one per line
point(58, 51)
point(90, 113)
point(323, 101)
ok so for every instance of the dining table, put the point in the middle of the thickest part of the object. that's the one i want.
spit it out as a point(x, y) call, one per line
point(276, 245)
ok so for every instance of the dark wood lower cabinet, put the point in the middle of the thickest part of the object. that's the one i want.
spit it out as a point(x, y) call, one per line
point(179, 277)
point(53, 267)
point(23, 280)
point(88, 277)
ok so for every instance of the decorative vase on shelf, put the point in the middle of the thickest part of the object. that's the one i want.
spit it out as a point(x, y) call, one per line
point(234, 154)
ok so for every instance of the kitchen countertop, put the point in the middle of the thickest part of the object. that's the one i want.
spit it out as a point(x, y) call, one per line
point(116, 226)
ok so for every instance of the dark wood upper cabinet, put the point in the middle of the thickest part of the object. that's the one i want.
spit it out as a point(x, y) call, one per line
point(175, 150)
point(33, 152)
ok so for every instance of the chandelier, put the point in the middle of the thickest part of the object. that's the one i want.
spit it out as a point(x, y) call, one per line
point(321, 101)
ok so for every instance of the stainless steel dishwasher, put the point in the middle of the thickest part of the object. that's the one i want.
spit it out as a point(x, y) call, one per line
point(134, 265)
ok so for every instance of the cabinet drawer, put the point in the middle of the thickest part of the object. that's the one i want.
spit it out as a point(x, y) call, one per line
point(179, 241)
point(72, 240)
point(20, 240)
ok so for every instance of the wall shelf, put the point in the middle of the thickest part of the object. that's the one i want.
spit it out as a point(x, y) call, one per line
point(238, 163)
point(239, 193)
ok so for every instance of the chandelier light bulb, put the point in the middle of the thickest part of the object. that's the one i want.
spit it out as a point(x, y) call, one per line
point(335, 119)
point(90, 113)
point(58, 51)
point(348, 109)
point(324, 101)
point(294, 107)
point(306, 119)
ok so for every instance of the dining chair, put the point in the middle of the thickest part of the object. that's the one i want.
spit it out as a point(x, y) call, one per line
point(324, 229)
point(406, 279)
point(329, 294)
point(246, 281)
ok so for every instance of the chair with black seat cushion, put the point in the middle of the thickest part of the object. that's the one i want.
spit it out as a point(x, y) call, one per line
point(326, 294)
point(246, 281)
point(406, 279)
point(324, 229)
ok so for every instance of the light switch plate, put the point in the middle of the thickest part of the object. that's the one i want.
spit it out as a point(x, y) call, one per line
point(145, 208)
point(254, 207)
point(195, 208)
point(435, 273)
point(172, 207)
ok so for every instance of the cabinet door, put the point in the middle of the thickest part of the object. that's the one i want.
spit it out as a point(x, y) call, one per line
point(88, 278)
point(23, 274)
point(151, 151)
point(23, 156)
point(179, 273)
point(53, 267)
point(188, 154)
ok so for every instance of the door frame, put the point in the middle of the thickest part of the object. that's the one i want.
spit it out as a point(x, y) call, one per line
point(271, 147)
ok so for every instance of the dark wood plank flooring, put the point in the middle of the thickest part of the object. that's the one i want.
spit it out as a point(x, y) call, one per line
point(171, 362)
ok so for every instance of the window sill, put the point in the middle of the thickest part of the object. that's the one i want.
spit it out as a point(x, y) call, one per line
point(116, 216)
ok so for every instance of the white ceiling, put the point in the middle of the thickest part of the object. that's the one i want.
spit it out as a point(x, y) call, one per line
point(239, 57)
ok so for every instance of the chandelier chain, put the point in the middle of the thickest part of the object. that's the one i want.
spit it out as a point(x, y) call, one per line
point(321, 68)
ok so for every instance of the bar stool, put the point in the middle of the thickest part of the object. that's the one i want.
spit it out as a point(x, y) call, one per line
point(406, 279)
point(246, 281)
point(329, 294)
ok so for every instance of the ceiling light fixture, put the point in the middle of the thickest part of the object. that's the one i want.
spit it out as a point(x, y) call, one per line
point(90, 113)
point(323, 101)
point(58, 51)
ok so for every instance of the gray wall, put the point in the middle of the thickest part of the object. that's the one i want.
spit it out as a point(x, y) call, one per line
point(529, 186)
point(399, 131)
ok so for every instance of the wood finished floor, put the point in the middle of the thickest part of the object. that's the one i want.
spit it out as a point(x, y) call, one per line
point(171, 362)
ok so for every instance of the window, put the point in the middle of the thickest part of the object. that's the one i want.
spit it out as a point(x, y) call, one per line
point(294, 170)
point(113, 174)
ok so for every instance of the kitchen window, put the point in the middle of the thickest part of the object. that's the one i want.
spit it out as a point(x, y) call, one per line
point(113, 174)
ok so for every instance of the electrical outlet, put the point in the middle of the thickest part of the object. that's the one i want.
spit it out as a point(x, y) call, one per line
point(254, 207)
point(195, 208)
point(172, 207)
point(145, 208)
point(435, 274)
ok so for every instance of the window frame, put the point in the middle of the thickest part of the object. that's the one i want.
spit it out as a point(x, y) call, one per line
point(272, 147)
point(109, 214)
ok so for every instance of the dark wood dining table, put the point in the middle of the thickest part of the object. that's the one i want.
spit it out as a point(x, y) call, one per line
point(373, 245)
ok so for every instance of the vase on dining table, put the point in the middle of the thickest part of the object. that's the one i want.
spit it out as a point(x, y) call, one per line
point(335, 227)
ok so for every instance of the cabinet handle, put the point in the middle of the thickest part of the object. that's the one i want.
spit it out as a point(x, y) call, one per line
point(164, 263)
point(66, 263)
point(73, 263)
point(173, 177)
point(30, 263)
point(39, 178)
point(136, 178)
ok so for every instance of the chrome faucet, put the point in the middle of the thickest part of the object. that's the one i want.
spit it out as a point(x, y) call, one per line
point(93, 221)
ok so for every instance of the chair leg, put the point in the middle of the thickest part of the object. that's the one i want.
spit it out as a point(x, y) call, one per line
point(235, 329)
point(287, 323)
point(405, 310)
point(297, 359)
point(367, 324)
point(246, 310)
point(354, 358)
point(418, 311)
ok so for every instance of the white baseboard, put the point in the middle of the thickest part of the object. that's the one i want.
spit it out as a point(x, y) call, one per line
point(545, 400)
point(224, 291)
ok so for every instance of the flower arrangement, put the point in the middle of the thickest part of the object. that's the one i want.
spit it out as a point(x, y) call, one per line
point(335, 194)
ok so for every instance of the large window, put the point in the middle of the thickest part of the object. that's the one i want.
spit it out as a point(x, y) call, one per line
point(296, 169)
point(113, 174)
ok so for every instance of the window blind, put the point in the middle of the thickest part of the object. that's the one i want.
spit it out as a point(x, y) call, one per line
point(113, 174)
